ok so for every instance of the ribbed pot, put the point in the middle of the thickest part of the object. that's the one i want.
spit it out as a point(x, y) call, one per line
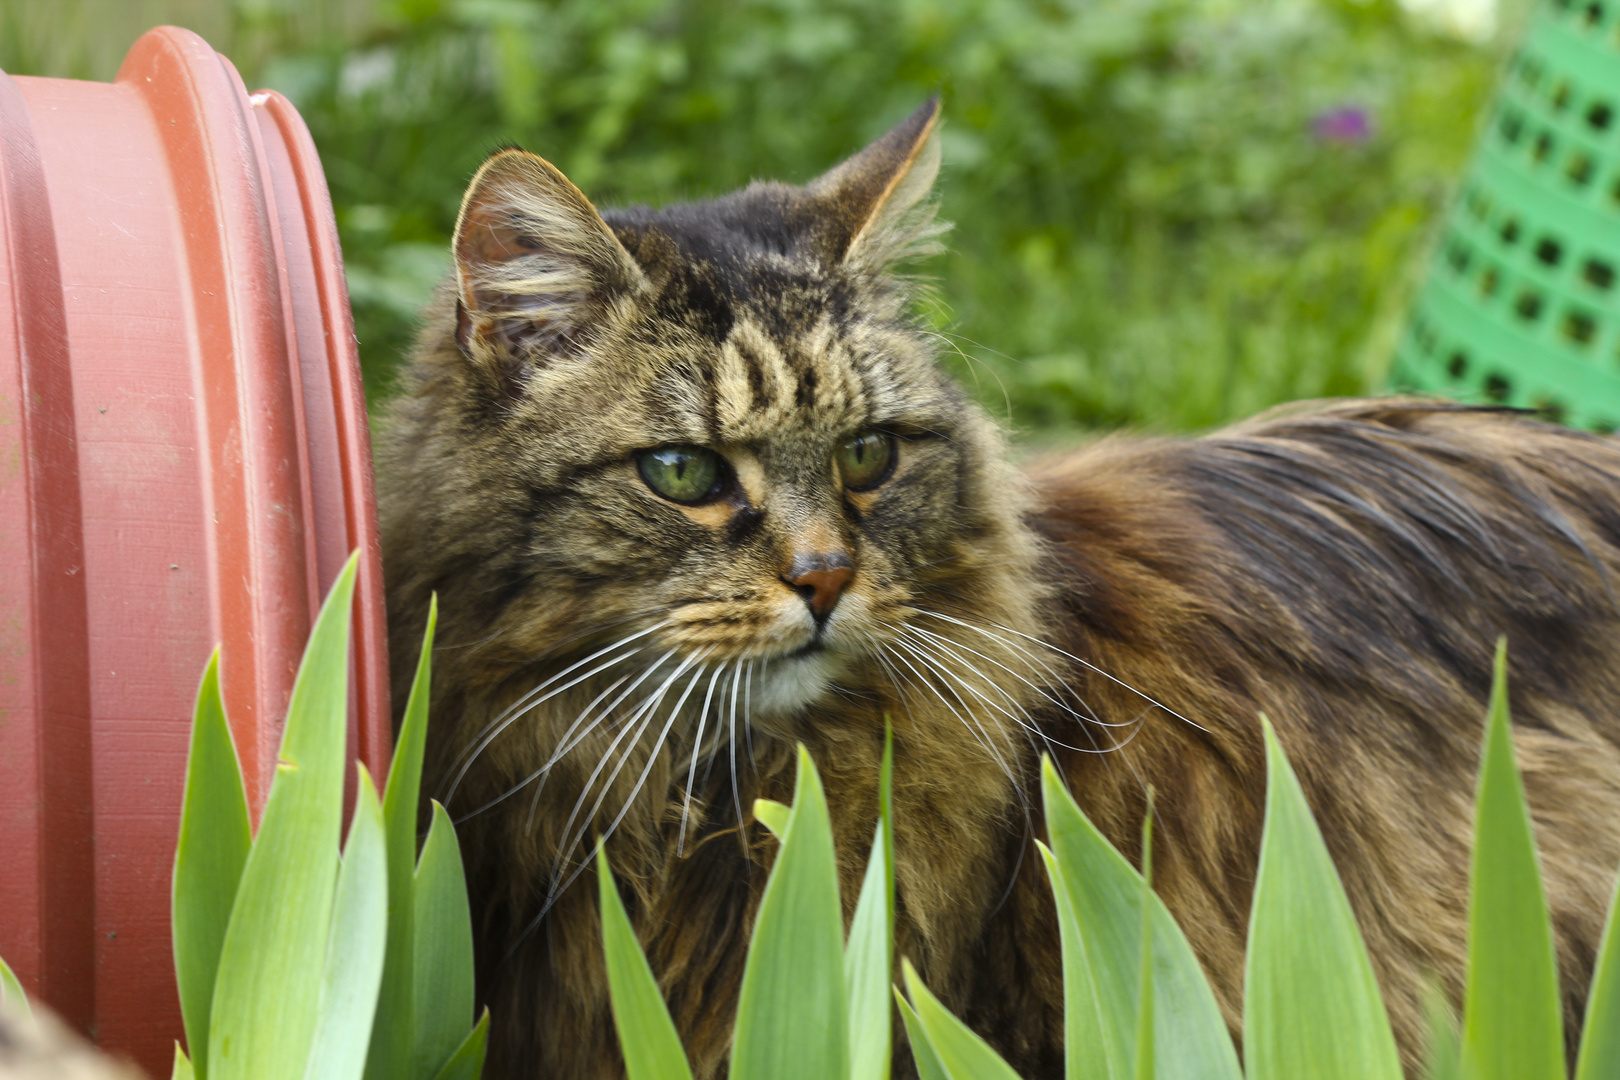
point(184, 461)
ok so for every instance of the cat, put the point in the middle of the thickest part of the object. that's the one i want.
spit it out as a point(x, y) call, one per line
point(691, 489)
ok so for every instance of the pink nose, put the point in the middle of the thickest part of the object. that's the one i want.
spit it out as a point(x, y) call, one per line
point(821, 587)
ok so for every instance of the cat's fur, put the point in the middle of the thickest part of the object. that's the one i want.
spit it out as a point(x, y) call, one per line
point(1344, 568)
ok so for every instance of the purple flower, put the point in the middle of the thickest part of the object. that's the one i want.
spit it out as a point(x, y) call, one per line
point(1344, 124)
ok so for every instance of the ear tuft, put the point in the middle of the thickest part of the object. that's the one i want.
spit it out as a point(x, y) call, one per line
point(878, 201)
point(535, 263)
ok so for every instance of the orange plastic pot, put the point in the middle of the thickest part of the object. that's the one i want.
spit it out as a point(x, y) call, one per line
point(184, 461)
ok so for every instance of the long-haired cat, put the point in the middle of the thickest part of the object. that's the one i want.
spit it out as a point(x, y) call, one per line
point(691, 489)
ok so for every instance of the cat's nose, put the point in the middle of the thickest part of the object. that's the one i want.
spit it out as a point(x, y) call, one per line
point(820, 578)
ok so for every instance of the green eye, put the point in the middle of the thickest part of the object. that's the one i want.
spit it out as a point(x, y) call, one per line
point(866, 460)
point(683, 474)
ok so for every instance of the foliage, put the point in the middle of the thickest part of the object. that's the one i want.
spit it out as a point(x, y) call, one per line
point(1169, 212)
point(1137, 1005)
point(280, 945)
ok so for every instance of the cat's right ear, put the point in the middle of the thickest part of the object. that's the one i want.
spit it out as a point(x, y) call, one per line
point(535, 264)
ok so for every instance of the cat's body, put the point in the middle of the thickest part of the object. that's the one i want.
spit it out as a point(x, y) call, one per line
point(863, 548)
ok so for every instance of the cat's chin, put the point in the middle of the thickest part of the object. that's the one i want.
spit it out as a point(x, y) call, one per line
point(787, 684)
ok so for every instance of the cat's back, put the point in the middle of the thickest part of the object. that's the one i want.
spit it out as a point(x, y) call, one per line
point(1346, 568)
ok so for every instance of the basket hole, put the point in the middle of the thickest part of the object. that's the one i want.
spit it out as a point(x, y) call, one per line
point(1603, 427)
point(1614, 191)
point(1560, 97)
point(1598, 273)
point(1457, 364)
point(1593, 13)
point(1457, 256)
point(1549, 251)
point(1497, 387)
point(1551, 409)
point(1579, 327)
point(1543, 147)
point(1510, 231)
point(1600, 115)
point(1528, 306)
point(1488, 282)
point(1580, 170)
point(1512, 126)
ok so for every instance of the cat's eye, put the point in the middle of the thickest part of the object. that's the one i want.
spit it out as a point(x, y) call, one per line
point(683, 474)
point(866, 460)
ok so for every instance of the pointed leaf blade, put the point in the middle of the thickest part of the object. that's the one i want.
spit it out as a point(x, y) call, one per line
point(354, 953)
point(267, 992)
point(393, 1029)
point(215, 837)
point(1600, 1033)
point(467, 1063)
point(773, 815)
point(182, 1065)
point(1085, 1056)
point(443, 967)
point(929, 1067)
point(1312, 1008)
point(868, 956)
point(791, 1019)
point(1512, 1021)
point(647, 1035)
point(1106, 892)
point(963, 1054)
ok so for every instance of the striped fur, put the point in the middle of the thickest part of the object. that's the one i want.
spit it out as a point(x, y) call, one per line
point(613, 663)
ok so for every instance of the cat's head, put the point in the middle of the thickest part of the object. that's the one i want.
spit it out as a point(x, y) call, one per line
point(714, 431)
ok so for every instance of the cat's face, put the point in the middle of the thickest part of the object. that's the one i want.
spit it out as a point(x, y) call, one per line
point(720, 421)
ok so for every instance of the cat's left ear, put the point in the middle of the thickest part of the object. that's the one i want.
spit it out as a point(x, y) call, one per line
point(876, 204)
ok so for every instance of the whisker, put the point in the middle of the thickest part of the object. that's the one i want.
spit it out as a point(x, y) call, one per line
point(1025, 722)
point(510, 714)
point(697, 746)
point(641, 781)
point(983, 738)
point(545, 768)
point(1084, 663)
point(648, 704)
point(943, 640)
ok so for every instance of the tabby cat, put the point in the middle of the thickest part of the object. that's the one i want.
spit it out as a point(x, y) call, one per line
point(691, 489)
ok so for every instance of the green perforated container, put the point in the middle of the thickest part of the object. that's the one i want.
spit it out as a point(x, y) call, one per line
point(1522, 302)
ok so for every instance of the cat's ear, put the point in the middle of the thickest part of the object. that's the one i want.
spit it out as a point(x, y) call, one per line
point(535, 263)
point(877, 204)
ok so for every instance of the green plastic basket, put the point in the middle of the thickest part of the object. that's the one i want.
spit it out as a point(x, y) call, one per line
point(1522, 301)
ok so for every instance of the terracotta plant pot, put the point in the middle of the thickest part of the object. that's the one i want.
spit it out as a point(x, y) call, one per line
point(184, 461)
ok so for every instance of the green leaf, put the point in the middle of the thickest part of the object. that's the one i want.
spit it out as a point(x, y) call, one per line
point(1442, 1048)
point(869, 954)
point(1512, 1020)
point(773, 815)
point(962, 1053)
point(1600, 1034)
point(11, 993)
point(1312, 1009)
point(1085, 1052)
point(182, 1065)
point(929, 1067)
point(467, 1063)
point(1189, 1035)
point(647, 1035)
point(1144, 1007)
point(393, 1030)
point(354, 952)
point(443, 967)
point(791, 1021)
point(267, 994)
point(215, 837)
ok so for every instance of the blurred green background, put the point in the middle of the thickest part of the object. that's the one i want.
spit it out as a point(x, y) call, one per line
point(1169, 213)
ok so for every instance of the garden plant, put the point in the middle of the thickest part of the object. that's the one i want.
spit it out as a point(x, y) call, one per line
point(295, 962)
